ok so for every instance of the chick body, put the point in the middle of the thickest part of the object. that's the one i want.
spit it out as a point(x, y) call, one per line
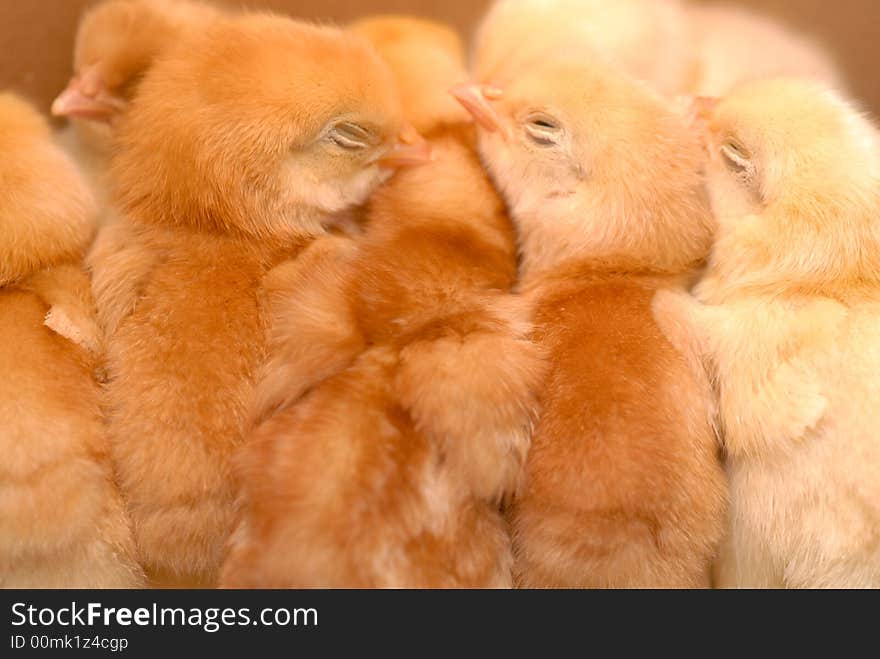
point(381, 461)
point(649, 40)
point(231, 160)
point(786, 318)
point(676, 47)
point(733, 45)
point(62, 522)
point(623, 485)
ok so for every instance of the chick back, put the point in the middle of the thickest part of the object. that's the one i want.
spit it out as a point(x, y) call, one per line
point(389, 472)
point(62, 522)
point(181, 368)
point(343, 491)
point(623, 486)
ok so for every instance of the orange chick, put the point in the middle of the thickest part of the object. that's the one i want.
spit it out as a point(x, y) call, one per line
point(623, 485)
point(395, 409)
point(116, 42)
point(62, 523)
point(241, 147)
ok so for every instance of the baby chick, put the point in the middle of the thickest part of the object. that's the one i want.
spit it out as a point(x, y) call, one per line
point(733, 45)
point(62, 523)
point(423, 71)
point(649, 40)
point(623, 486)
point(396, 408)
point(676, 47)
point(789, 324)
point(116, 42)
point(242, 145)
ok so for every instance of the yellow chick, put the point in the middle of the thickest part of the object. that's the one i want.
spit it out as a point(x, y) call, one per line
point(733, 45)
point(648, 40)
point(677, 47)
point(788, 318)
point(62, 523)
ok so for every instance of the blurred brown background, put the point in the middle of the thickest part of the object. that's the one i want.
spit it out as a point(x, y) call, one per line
point(36, 36)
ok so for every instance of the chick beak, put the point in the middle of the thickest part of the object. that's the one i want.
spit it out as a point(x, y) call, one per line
point(704, 106)
point(86, 98)
point(411, 150)
point(475, 99)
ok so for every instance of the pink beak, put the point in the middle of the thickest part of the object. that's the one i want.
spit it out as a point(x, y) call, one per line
point(476, 100)
point(702, 108)
point(86, 98)
point(704, 105)
point(411, 150)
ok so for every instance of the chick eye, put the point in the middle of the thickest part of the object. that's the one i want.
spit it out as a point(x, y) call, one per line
point(738, 160)
point(543, 130)
point(350, 137)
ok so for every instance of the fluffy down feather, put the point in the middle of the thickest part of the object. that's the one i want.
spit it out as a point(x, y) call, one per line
point(395, 411)
point(62, 523)
point(623, 485)
point(231, 159)
point(787, 319)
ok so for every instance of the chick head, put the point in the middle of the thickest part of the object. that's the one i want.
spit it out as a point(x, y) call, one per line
point(262, 125)
point(594, 165)
point(426, 58)
point(47, 213)
point(794, 180)
point(116, 42)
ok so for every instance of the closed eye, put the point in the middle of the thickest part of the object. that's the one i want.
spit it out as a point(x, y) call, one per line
point(739, 163)
point(543, 130)
point(737, 159)
point(349, 136)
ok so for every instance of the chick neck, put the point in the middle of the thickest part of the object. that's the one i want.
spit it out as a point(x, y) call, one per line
point(453, 190)
point(550, 251)
point(776, 256)
point(266, 225)
point(731, 282)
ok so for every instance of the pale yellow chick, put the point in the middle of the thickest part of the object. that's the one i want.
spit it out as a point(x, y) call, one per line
point(733, 45)
point(677, 47)
point(623, 486)
point(790, 326)
point(646, 39)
